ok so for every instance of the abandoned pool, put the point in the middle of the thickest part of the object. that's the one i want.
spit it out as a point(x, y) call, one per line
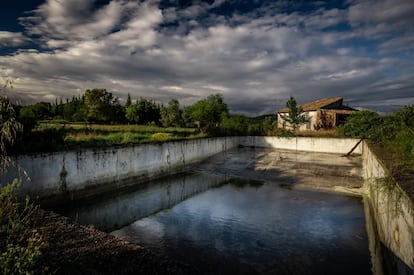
point(240, 213)
point(238, 204)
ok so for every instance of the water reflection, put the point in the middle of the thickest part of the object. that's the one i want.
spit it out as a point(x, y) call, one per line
point(256, 227)
point(239, 183)
point(115, 210)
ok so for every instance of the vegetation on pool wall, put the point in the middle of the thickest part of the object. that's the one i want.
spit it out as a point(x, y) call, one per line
point(394, 132)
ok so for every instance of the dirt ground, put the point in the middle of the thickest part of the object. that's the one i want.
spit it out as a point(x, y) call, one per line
point(71, 248)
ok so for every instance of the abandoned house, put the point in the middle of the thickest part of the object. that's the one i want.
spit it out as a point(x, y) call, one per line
point(324, 113)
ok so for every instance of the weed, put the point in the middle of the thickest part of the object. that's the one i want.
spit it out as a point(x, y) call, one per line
point(19, 244)
point(388, 188)
point(161, 136)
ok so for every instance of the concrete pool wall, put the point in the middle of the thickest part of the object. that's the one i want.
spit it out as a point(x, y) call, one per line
point(308, 144)
point(75, 174)
point(392, 211)
point(62, 176)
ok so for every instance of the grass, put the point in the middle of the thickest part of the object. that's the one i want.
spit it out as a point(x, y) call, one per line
point(114, 128)
point(58, 136)
point(20, 245)
point(332, 133)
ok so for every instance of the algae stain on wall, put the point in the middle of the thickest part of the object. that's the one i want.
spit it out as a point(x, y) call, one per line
point(62, 182)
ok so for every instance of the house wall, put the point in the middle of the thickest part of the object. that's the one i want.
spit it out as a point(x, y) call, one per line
point(325, 119)
point(306, 126)
point(279, 121)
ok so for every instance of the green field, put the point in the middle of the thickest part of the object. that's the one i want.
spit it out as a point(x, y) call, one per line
point(55, 136)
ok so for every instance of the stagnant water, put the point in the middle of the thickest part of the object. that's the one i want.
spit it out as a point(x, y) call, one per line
point(224, 226)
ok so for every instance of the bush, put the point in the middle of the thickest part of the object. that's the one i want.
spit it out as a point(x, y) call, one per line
point(285, 133)
point(361, 124)
point(235, 125)
point(395, 132)
point(405, 117)
point(19, 243)
point(46, 140)
point(28, 119)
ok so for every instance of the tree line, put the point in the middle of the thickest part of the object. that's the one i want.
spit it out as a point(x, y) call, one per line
point(210, 115)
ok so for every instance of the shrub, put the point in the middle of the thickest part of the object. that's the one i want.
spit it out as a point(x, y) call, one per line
point(361, 124)
point(285, 133)
point(46, 140)
point(235, 125)
point(19, 244)
point(394, 132)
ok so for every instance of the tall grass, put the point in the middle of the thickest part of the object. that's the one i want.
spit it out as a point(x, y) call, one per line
point(280, 132)
point(57, 136)
point(115, 128)
point(20, 245)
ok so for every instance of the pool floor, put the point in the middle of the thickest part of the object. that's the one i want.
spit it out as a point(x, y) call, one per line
point(246, 211)
point(255, 227)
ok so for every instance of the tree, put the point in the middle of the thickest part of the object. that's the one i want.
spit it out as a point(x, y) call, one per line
point(57, 109)
point(208, 113)
point(75, 110)
point(405, 116)
point(132, 114)
point(27, 117)
point(143, 112)
point(362, 124)
point(295, 116)
point(268, 124)
point(19, 243)
point(100, 105)
point(235, 125)
point(128, 102)
point(10, 128)
point(171, 115)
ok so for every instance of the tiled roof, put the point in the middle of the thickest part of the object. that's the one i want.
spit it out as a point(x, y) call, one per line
point(318, 104)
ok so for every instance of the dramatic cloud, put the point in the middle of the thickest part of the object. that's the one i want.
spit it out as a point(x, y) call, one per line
point(12, 39)
point(255, 53)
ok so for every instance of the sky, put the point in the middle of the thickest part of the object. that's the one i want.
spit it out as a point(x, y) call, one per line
point(255, 53)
